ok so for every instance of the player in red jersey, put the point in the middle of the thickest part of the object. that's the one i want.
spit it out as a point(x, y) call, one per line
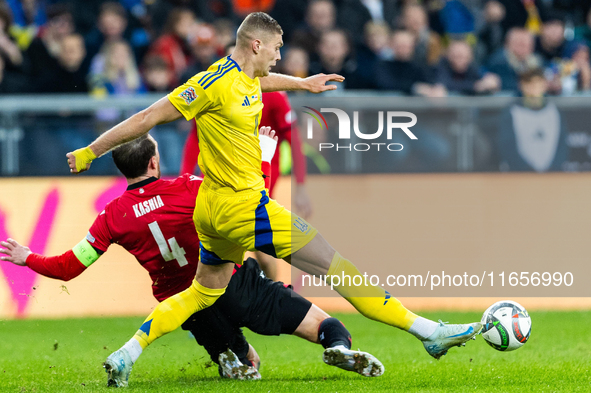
point(278, 115)
point(153, 221)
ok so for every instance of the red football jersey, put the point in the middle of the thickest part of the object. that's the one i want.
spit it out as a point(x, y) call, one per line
point(153, 220)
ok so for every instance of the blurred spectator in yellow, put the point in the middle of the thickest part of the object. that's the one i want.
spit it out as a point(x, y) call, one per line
point(172, 45)
point(8, 47)
point(28, 16)
point(460, 75)
point(114, 71)
point(516, 57)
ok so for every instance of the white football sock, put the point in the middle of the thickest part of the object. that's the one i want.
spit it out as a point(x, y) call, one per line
point(134, 349)
point(422, 328)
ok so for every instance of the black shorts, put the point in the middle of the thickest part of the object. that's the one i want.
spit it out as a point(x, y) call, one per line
point(253, 301)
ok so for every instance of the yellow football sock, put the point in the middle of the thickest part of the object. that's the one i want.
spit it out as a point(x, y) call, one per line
point(174, 311)
point(370, 300)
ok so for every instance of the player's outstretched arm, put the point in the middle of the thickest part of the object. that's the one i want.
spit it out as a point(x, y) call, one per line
point(137, 125)
point(62, 267)
point(313, 84)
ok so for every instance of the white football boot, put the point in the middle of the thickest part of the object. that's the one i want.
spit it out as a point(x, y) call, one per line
point(231, 367)
point(118, 367)
point(447, 336)
point(360, 362)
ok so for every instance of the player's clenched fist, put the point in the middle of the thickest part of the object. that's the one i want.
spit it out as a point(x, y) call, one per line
point(79, 160)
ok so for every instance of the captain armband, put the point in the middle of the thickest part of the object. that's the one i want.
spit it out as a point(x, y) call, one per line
point(85, 253)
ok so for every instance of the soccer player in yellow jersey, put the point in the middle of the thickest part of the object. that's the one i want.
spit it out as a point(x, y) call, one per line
point(233, 212)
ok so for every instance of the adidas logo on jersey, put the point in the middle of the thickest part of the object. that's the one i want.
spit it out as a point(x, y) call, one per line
point(247, 101)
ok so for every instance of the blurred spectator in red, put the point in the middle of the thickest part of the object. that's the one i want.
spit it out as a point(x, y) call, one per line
point(111, 25)
point(492, 34)
point(516, 57)
point(244, 7)
point(44, 51)
point(296, 62)
point(460, 75)
point(28, 16)
point(172, 46)
point(157, 75)
point(8, 47)
point(114, 71)
point(428, 47)
point(335, 56)
point(320, 18)
point(70, 75)
point(204, 47)
point(402, 74)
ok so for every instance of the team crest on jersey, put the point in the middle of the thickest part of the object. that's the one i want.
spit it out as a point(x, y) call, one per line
point(188, 95)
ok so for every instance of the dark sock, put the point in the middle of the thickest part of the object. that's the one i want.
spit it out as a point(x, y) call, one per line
point(332, 332)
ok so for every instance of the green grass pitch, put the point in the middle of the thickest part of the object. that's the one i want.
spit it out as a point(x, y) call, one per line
point(66, 356)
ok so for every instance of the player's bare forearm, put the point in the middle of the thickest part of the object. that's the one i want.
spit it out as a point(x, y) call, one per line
point(313, 84)
point(137, 125)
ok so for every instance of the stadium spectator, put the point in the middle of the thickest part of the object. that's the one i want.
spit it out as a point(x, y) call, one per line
point(491, 35)
point(377, 39)
point(352, 16)
point(583, 32)
point(551, 44)
point(225, 35)
point(459, 74)
point(402, 74)
point(28, 16)
point(320, 18)
point(114, 71)
point(70, 74)
point(296, 62)
point(111, 25)
point(428, 48)
point(8, 48)
point(532, 133)
point(172, 45)
point(10, 82)
point(583, 68)
point(157, 75)
point(527, 14)
point(335, 57)
point(516, 57)
point(44, 51)
point(204, 47)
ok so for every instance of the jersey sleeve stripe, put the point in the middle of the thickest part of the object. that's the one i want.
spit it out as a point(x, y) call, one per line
point(208, 74)
point(220, 69)
point(219, 76)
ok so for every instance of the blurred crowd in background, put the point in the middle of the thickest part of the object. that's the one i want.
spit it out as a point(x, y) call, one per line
point(430, 48)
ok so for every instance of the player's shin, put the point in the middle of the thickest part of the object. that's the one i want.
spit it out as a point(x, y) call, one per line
point(171, 313)
point(370, 300)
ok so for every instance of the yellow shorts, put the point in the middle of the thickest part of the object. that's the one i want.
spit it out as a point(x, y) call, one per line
point(229, 223)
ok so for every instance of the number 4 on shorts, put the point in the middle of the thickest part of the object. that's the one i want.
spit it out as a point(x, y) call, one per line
point(174, 252)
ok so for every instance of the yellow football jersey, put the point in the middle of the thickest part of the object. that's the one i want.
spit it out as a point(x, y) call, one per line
point(227, 106)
